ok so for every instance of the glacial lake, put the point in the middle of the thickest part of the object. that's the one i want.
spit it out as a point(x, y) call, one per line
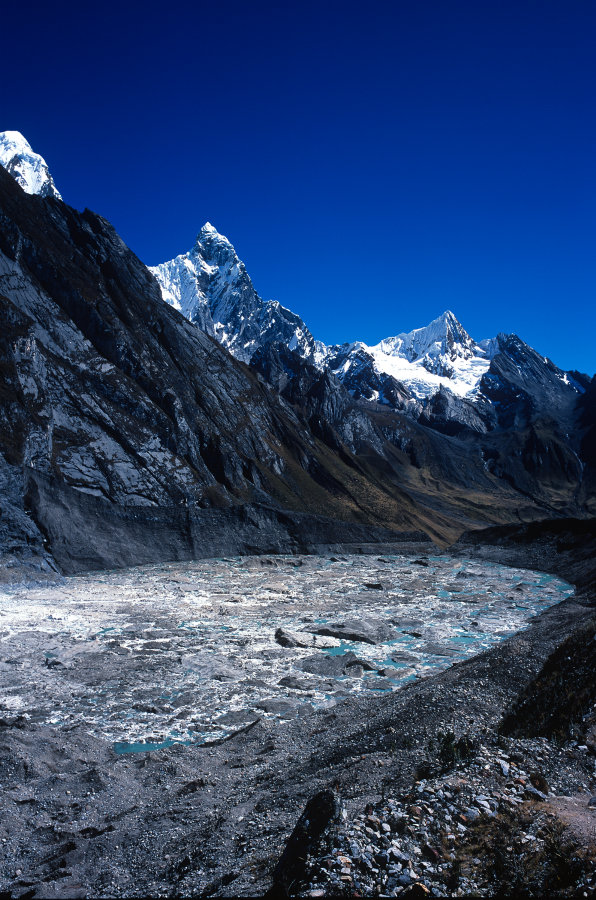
point(191, 652)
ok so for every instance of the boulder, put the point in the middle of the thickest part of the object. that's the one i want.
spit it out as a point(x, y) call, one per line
point(333, 666)
point(321, 814)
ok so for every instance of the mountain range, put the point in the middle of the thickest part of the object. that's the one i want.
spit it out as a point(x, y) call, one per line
point(210, 286)
point(133, 429)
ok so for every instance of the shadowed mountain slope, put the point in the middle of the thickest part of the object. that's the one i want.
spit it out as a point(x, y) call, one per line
point(470, 463)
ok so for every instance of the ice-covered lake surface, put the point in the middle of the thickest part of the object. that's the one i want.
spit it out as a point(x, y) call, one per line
point(193, 651)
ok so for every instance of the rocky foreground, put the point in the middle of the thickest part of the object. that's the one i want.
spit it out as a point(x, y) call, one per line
point(490, 811)
point(476, 780)
point(514, 815)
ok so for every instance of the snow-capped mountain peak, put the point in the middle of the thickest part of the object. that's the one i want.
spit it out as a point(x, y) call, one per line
point(211, 287)
point(444, 336)
point(210, 235)
point(28, 168)
point(440, 355)
point(216, 248)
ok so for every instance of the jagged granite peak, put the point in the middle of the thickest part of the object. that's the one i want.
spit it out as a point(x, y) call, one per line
point(28, 168)
point(409, 372)
point(210, 286)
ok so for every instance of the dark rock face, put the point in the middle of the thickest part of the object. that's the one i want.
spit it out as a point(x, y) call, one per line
point(450, 414)
point(521, 436)
point(22, 544)
point(520, 384)
point(363, 380)
point(87, 533)
point(587, 421)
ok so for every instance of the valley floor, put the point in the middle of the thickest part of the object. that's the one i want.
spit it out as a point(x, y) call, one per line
point(80, 820)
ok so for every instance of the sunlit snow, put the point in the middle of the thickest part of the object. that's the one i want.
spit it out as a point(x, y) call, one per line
point(442, 354)
point(29, 169)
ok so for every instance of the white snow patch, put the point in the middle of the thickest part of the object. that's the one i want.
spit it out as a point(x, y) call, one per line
point(28, 168)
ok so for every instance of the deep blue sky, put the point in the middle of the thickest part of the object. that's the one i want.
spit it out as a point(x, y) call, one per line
point(373, 163)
